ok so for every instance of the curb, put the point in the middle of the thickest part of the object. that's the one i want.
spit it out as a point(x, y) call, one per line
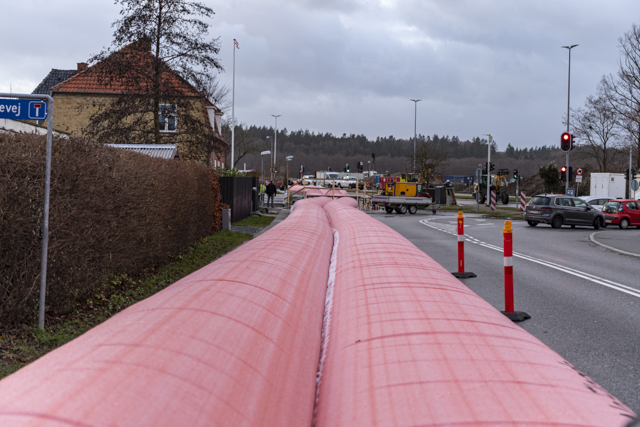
point(611, 248)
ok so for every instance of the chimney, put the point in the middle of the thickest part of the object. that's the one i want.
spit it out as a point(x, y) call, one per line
point(82, 66)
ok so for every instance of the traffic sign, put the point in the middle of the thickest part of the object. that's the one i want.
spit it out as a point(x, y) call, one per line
point(23, 109)
point(578, 178)
point(635, 185)
point(579, 171)
point(571, 192)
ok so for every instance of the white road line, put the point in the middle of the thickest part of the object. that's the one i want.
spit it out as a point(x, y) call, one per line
point(590, 277)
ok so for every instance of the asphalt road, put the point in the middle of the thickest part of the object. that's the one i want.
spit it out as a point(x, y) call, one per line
point(584, 300)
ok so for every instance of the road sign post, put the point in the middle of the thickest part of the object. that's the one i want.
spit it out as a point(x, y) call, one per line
point(578, 179)
point(19, 106)
point(478, 184)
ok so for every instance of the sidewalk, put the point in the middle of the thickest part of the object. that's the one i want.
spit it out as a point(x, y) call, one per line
point(281, 216)
point(623, 241)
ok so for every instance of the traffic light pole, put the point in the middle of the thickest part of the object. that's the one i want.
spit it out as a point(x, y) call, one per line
point(566, 184)
point(489, 172)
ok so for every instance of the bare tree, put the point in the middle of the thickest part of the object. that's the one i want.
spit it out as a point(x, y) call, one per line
point(217, 93)
point(430, 160)
point(622, 90)
point(245, 142)
point(158, 64)
point(596, 127)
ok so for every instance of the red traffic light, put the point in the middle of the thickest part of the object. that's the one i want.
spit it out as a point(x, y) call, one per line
point(563, 169)
point(566, 141)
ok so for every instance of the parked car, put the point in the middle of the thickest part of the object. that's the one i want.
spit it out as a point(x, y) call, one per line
point(347, 182)
point(558, 210)
point(622, 213)
point(596, 201)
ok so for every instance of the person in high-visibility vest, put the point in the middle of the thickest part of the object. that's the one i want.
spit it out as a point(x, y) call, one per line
point(263, 190)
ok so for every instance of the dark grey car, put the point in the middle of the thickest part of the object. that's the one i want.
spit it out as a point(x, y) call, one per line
point(559, 210)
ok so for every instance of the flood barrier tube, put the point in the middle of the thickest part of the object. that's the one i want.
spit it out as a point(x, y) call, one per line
point(410, 345)
point(236, 343)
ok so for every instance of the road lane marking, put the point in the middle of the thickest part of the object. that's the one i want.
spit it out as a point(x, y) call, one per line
point(590, 277)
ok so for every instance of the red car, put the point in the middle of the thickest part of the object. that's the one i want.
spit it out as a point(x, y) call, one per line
point(622, 212)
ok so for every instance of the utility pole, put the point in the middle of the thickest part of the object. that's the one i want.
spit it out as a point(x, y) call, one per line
point(630, 170)
point(415, 134)
point(233, 103)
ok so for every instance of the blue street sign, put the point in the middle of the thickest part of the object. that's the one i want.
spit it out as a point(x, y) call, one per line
point(23, 109)
point(571, 192)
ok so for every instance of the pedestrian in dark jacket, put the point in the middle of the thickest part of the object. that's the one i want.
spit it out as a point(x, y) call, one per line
point(271, 191)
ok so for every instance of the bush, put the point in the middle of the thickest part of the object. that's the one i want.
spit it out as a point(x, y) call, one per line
point(111, 211)
point(551, 178)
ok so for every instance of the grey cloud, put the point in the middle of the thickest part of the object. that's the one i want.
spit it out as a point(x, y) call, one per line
point(351, 65)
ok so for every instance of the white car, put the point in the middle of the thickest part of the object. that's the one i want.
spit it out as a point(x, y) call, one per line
point(346, 182)
point(596, 201)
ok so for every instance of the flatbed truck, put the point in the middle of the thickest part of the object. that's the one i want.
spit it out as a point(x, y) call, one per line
point(403, 204)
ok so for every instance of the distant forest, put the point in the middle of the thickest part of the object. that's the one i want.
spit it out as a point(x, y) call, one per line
point(320, 151)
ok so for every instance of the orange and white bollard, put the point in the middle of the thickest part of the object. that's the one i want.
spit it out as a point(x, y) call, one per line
point(523, 202)
point(460, 274)
point(507, 237)
point(493, 200)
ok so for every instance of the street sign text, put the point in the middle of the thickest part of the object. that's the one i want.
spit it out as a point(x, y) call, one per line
point(23, 109)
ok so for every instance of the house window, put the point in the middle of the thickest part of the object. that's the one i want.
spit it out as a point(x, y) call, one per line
point(168, 117)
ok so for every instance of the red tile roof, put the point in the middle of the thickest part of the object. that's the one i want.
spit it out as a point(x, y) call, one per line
point(106, 77)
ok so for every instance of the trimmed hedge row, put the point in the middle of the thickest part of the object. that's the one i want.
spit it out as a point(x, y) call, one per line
point(111, 211)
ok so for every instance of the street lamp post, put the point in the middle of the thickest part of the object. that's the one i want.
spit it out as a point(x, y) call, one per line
point(289, 158)
point(264, 153)
point(415, 135)
point(271, 159)
point(275, 140)
point(566, 183)
point(488, 171)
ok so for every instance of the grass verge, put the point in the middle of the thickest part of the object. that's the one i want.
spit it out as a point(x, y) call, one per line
point(255, 221)
point(22, 346)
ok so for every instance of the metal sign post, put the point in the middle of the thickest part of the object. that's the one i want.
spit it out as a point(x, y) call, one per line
point(479, 182)
point(578, 180)
point(37, 109)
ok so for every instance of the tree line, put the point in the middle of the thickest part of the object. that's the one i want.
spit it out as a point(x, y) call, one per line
point(321, 151)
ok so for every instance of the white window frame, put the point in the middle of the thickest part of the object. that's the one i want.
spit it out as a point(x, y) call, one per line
point(166, 129)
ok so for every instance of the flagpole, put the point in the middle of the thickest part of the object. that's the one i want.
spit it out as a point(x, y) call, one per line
point(233, 105)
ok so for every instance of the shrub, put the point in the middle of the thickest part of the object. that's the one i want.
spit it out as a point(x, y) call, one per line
point(111, 211)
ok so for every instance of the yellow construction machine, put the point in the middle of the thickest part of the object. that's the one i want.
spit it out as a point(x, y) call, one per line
point(499, 180)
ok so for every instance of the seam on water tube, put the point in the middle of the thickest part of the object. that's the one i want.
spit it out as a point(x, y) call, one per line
point(326, 320)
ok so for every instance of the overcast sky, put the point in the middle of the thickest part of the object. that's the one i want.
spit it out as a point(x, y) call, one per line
point(351, 66)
